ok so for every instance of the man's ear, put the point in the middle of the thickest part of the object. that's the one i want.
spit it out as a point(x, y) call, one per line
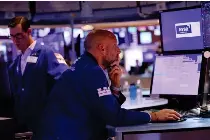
point(29, 31)
point(102, 49)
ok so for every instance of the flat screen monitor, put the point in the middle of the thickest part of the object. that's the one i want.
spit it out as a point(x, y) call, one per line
point(77, 32)
point(132, 36)
point(149, 56)
point(182, 30)
point(145, 37)
point(177, 74)
point(120, 34)
point(131, 55)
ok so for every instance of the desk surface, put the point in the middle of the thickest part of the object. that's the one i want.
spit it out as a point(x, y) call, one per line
point(141, 102)
point(4, 118)
point(144, 92)
point(190, 123)
point(145, 75)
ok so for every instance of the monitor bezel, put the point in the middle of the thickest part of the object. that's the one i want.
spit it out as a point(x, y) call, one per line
point(161, 35)
point(193, 98)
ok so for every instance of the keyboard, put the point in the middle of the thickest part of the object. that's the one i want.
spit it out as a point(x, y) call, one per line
point(188, 114)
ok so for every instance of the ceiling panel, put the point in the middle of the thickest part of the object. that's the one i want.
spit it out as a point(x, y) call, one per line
point(148, 2)
point(111, 4)
point(19, 6)
point(57, 6)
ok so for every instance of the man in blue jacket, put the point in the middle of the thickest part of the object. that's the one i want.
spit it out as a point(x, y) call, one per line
point(32, 74)
point(82, 102)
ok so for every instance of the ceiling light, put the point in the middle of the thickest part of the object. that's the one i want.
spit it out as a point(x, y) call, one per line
point(87, 27)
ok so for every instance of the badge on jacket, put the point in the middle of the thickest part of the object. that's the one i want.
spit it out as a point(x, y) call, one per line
point(31, 59)
point(104, 91)
point(60, 58)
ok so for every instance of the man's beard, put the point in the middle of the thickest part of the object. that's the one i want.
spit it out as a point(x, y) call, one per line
point(106, 63)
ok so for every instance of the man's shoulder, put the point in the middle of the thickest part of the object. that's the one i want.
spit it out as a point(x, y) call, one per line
point(84, 66)
point(45, 50)
point(42, 47)
point(87, 64)
point(95, 72)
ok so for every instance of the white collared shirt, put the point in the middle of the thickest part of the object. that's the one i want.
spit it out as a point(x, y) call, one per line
point(25, 55)
point(107, 76)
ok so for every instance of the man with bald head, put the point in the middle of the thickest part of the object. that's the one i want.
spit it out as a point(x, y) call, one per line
point(83, 102)
point(108, 58)
point(103, 45)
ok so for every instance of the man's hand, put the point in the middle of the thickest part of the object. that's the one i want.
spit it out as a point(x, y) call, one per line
point(165, 115)
point(114, 74)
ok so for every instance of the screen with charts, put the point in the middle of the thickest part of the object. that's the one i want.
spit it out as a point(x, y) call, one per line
point(177, 74)
point(182, 30)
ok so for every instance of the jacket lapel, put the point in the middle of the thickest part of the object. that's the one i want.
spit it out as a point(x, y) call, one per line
point(17, 74)
point(34, 53)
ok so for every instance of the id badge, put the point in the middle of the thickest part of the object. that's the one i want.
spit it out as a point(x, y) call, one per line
point(31, 59)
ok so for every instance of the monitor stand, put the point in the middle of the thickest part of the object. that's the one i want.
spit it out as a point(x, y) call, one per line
point(205, 108)
point(155, 96)
point(205, 111)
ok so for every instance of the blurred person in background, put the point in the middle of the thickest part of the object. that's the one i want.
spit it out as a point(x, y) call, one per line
point(32, 74)
point(137, 70)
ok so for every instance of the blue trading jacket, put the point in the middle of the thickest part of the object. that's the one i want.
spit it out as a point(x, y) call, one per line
point(81, 105)
point(31, 89)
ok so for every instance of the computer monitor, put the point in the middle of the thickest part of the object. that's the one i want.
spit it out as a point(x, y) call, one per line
point(149, 56)
point(132, 36)
point(177, 77)
point(131, 55)
point(181, 30)
point(145, 38)
point(120, 34)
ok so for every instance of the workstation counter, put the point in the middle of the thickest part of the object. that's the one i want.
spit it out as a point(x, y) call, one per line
point(195, 128)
